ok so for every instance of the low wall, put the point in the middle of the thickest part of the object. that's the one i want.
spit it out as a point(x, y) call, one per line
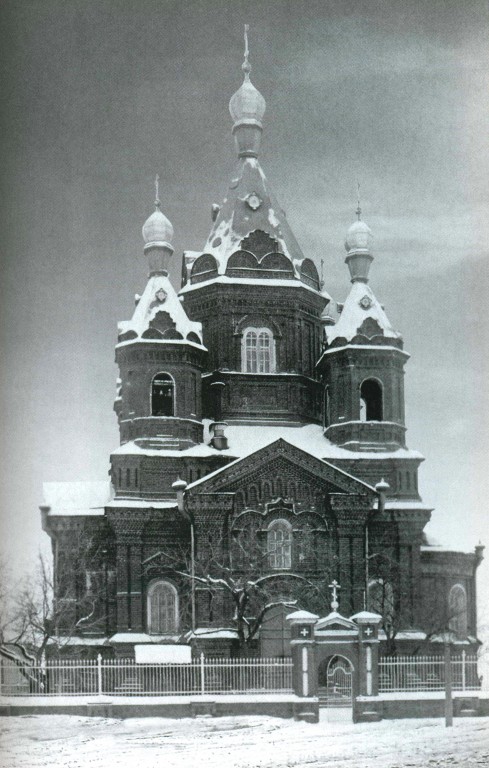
point(171, 707)
point(398, 706)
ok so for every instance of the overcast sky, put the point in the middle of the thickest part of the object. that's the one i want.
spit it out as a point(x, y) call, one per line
point(99, 95)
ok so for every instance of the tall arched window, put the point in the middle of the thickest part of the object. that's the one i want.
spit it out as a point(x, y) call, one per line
point(258, 351)
point(162, 395)
point(279, 541)
point(371, 406)
point(457, 610)
point(162, 608)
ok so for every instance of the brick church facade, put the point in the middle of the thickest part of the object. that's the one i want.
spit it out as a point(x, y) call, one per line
point(262, 452)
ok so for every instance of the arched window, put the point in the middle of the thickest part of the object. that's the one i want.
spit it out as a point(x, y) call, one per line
point(457, 610)
point(162, 395)
point(371, 408)
point(279, 541)
point(252, 495)
point(162, 608)
point(266, 490)
point(381, 599)
point(258, 351)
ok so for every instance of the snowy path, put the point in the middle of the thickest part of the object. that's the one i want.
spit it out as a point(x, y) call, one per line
point(39, 741)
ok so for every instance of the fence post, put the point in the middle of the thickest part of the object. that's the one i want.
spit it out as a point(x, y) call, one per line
point(99, 674)
point(202, 673)
point(463, 671)
point(448, 685)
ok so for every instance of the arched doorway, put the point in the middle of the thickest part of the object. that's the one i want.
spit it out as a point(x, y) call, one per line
point(335, 682)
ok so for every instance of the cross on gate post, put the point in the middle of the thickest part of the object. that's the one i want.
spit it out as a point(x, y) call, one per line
point(334, 587)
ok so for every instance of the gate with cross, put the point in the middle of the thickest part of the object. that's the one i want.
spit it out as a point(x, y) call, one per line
point(336, 658)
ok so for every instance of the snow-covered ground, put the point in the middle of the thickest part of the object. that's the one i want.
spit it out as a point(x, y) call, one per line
point(240, 742)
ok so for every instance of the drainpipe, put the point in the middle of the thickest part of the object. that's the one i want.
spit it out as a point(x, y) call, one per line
point(382, 487)
point(180, 486)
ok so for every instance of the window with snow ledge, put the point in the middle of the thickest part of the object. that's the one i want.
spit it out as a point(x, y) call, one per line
point(279, 544)
point(162, 608)
point(162, 395)
point(258, 351)
point(457, 610)
point(371, 400)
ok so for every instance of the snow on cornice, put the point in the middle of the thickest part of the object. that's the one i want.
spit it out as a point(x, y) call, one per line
point(360, 305)
point(160, 296)
point(437, 548)
point(275, 282)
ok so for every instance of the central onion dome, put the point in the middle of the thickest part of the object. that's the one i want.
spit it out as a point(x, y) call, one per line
point(247, 105)
point(157, 230)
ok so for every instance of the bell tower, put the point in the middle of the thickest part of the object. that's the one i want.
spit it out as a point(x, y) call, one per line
point(362, 365)
point(160, 354)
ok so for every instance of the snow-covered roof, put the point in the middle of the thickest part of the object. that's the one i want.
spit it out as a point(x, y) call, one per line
point(160, 312)
point(140, 637)
point(141, 503)
point(78, 498)
point(414, 504)
point(217, 632)
point(435, 548)
point(245, 439)
point(360, 305)
point(202, 450)
point(241, 214)
point(335, 618)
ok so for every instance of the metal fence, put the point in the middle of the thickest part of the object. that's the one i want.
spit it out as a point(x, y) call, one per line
point(123, 677)
point(427, 673)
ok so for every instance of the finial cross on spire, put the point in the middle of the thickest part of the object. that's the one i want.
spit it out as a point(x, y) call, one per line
point(334, 587)
point(157, 190)
point(246, 66)
point(359, 210)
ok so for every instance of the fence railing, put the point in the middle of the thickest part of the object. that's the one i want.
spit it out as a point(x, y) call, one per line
point(121, 677)
point(427, 673)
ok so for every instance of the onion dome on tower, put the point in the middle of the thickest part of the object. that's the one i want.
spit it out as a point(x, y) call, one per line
point(157, 235)
point(362, 362)
point(357, 243)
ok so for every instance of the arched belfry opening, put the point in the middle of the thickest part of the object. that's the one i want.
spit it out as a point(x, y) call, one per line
point(371, 405)
point(162, 395)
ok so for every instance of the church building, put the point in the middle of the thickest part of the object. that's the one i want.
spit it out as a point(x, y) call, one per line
point(262, 455)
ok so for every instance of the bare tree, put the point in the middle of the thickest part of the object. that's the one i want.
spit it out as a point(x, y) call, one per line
point(55, 602)
point(235, 570)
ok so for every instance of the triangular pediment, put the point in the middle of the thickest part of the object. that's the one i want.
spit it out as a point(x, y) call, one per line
point(280, 457)
point(335, 621)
